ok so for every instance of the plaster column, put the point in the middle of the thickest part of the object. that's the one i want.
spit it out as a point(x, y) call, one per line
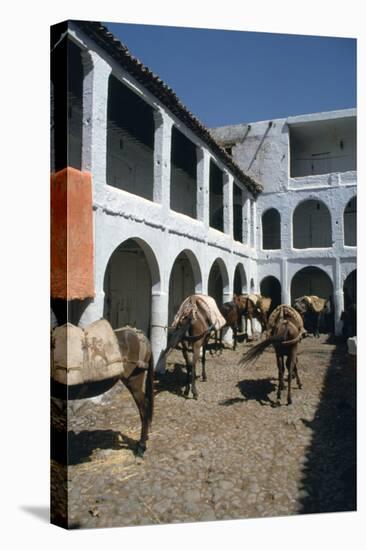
point(95, 104)
point(228, 205)
point(254, 224)
point(246, 220)
point(338, 298)
point(162, 163)
point(227, 296)
point(286, 231)
point(285, 285)
point(203, 186)
point(159, 324)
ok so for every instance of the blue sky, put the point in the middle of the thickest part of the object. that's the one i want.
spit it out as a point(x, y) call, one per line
point(229, 77)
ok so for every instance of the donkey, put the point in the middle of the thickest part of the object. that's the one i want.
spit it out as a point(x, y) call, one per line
point(232, 313)
point(284, 336)
point(137, 375)
point(313, 310)
point(254, 306)
point(197, 317)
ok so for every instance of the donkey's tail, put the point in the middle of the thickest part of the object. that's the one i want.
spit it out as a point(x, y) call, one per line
point(149, 390)
point(256, 351)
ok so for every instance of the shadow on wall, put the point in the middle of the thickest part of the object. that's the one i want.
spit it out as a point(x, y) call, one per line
point(329, 476)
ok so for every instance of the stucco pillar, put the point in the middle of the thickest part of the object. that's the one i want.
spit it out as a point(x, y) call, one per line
point(95, 103)
point(162, 153)
point(285, 285)
point(159, 323)
point(254, 223)
point(246, 220)
point(227, 296)
point(338, 299)
point(228, 204)
point(203, 186)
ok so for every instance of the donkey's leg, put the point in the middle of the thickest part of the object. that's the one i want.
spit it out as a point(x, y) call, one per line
point(204, 346)
point(196, 357)
point(136, 384)
point(290, 366)
point(188, 368)
point(281, 369)
point(220, 342)
point(235, 334)
point(297, 374)
point(211, 352)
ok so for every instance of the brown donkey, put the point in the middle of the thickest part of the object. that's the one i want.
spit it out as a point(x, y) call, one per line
point(285, 332)
point(197, 317)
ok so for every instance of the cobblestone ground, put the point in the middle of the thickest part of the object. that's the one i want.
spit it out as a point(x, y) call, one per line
point(230, 454)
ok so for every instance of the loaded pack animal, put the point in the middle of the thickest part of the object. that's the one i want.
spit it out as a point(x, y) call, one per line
point(88, 362)
point(285, 330)
point(196, 318)
point(312, 310)
point(255, 306)
point(232, 313)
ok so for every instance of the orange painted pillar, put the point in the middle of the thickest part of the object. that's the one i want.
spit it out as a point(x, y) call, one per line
point(72, 247)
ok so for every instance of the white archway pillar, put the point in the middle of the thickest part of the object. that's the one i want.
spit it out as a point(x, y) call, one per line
point(95, 104)
point(228, 204)
point(338, 298)
point(159, 324)
point(162, 164)
point(203, 186)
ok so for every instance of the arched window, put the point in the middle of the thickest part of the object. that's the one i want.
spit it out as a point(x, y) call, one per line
point(350, 222)
point(218, 281)
point(312, 225)
point(271, 288)
point(185, 279)
point(271, 230)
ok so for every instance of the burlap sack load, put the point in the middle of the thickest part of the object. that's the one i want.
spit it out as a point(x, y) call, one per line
point(80, 356)
point(264, 304)
point(203, 303)
point(254, 298)
point(286, 313)
point(316, 304)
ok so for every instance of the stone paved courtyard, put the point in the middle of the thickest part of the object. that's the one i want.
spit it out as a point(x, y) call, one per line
point(230, 454)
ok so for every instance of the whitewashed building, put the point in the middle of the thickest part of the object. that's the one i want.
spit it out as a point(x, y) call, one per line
point(178, 209)
point(306, 215)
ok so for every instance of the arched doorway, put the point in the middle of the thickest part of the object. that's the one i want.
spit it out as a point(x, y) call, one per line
point(312, 225)
point(185, 279)
point(271, 230)
point(131, 273)
point(218, 281)
point(350, 223)
point(270, 287)
point(350, 289)
point(240, 280)
point(312, 280)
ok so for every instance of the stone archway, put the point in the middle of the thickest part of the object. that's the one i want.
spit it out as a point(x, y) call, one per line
point(270, 287)
point(131, 274)
point(312, 280)
point(240, 280)
point(185, 279)
point(218, 282)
